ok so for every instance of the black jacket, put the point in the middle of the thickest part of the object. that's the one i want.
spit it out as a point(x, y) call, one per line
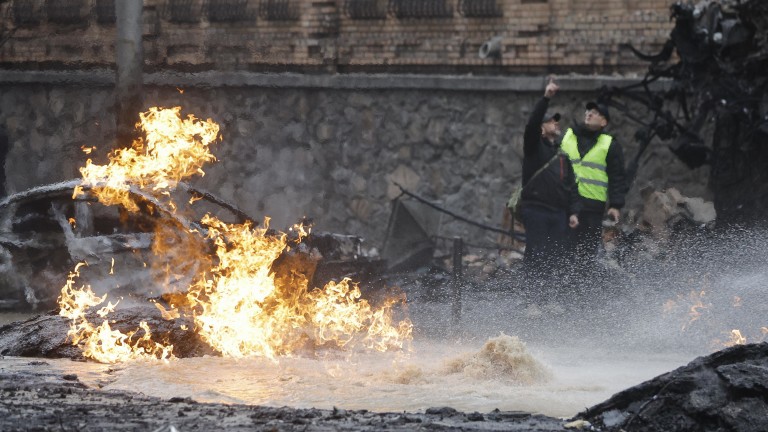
point(617, 176)
point(555, 187)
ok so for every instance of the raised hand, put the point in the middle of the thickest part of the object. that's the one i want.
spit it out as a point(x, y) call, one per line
point(551, 88)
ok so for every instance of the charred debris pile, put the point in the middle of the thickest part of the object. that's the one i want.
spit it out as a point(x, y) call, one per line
point(725, 391)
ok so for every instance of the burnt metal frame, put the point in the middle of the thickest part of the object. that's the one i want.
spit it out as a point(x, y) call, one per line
point(33, 236)
point(720, 77)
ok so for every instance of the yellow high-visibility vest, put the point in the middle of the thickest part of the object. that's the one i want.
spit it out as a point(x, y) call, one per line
point(590, 171)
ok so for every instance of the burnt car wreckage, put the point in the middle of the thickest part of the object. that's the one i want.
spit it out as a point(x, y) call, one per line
point(45, 231)
point(40, 244)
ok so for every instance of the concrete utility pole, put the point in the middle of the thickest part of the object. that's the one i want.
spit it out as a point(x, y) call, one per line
point(130, 59)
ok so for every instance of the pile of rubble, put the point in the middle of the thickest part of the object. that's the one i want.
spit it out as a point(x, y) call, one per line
point(725, 391)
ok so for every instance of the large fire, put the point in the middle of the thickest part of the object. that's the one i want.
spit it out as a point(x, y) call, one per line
point(239, 306)
point(174, 149)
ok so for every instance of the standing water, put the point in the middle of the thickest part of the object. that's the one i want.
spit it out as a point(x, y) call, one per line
point(557, 382)
point(437, 374)
point(646, 317)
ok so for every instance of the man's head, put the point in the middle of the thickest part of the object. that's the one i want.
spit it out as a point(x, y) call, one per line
point(597, 116)
point(550, 127)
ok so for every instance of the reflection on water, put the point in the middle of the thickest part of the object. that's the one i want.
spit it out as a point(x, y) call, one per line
point(501, 372)
point(393, 382)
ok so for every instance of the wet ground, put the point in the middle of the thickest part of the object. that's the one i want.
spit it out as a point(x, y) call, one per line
point(484, 367)
point(620, 332)
point(37, 395)
point(449, 383)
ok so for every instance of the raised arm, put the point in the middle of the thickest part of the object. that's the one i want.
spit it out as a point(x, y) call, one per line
point(532, 136)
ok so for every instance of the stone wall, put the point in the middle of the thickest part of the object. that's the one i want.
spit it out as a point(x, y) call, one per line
point(433, 36)
point(325, 147)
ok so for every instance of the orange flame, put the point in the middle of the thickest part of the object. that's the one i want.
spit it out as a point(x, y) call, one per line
point(243, 310)
point(736, 338)
point(240, 306)
point(695, 310)
point(697, 307)
point(101, 342)
point(175, 148)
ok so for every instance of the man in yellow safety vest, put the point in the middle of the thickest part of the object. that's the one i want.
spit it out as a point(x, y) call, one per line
point(598, 162)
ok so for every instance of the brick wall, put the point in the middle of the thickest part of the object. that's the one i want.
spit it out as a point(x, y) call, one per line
point(584, 36)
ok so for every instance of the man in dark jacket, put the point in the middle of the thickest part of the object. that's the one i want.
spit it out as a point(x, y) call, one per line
point(549, 202)
point(598, 161)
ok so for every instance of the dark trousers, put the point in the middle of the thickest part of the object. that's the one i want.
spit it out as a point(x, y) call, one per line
point(546, 239)
point(587, 238)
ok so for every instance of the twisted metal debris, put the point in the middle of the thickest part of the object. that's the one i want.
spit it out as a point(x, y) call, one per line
point(713, 107)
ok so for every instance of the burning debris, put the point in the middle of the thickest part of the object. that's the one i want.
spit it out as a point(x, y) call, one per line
point(45, 231)
point(242, 289)
point(47, 335)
